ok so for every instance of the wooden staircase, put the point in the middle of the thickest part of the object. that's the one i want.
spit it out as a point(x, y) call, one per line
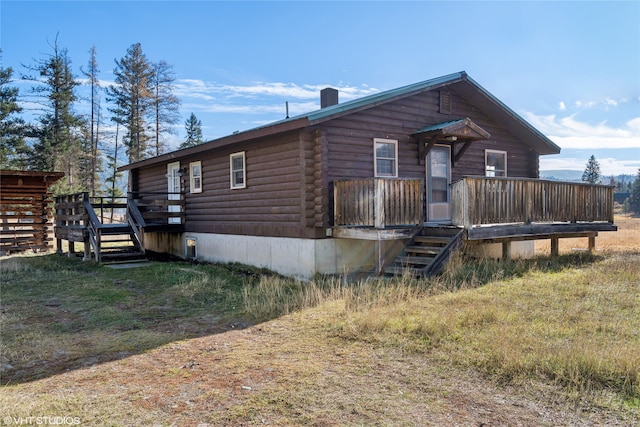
point(427, 252)
point(114, 243)
point(118, 244)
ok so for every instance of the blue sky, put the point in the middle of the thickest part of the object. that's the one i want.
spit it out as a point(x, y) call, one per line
point(572, 69)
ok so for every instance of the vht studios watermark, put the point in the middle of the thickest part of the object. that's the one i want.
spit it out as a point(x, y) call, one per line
point(47, 420)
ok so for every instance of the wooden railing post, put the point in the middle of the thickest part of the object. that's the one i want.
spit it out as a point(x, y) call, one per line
point(378, 204)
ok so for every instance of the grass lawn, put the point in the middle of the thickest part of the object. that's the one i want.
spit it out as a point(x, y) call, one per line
point(537, 342)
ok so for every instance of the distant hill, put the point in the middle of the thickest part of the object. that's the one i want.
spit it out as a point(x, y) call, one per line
point(576, 175)
point(562, 175)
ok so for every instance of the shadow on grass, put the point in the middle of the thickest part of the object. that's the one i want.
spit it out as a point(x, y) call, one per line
point(60, 314)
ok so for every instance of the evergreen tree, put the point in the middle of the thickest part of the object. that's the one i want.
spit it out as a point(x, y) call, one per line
point(166, 105)
point(13, 149)
point(591, 173)
point(112, 189)
point(133, 98)
point(94, 165)
point(60, 132)
point(193, 127)
point(634, 198)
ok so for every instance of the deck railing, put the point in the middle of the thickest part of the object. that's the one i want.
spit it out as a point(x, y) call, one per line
point(157, 208)
point(378, 202)
point(481, 200)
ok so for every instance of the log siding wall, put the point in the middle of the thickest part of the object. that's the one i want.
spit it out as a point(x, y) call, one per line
point(290, 176)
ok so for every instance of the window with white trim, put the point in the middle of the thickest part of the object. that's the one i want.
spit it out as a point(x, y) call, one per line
point(238, 170)
point(195, 177)
point(495, 162)
point(385, 153)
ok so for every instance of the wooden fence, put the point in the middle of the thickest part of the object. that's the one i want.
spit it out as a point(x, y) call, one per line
point(378, 202)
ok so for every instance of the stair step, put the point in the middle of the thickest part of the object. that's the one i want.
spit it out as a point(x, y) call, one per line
point(432, 239)
point(114, 240)
point(428, 250)
point(413, 260)
point(121, 254)
point(110, 249)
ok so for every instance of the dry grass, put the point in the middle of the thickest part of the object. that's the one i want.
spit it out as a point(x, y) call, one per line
point(543, 342)
point(626, 239)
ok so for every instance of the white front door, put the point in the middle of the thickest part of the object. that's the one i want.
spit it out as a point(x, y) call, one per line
point(438, 184)
point(173, 188)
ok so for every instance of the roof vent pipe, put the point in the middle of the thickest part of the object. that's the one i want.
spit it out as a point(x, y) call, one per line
point(328, 97)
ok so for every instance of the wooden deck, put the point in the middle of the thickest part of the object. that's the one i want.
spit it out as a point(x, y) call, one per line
point(108, 235)
point(488, 210)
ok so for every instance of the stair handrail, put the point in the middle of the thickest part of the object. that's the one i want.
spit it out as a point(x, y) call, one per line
point(136, 222)
point(443, 256)
point(414, 233)
point(93, 226)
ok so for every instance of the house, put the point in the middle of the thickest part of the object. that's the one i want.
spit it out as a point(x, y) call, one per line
point(25, 211)
point(398, 177)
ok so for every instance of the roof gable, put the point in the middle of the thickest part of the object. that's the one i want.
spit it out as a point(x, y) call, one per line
point(460, 81)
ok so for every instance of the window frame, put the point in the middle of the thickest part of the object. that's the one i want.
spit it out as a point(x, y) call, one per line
point(376, 141)
point(192, 177)
point(495, 172)
point(232, 176)
point(187, 240)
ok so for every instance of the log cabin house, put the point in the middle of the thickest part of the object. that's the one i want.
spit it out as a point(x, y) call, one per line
point(394, 180)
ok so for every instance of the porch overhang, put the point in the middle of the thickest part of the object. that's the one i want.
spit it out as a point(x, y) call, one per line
point(460, 132)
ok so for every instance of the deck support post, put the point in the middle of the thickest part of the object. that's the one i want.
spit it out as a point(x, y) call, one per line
point(506, 250)
point(554, 246)
point(592, 243)
point(379, 257)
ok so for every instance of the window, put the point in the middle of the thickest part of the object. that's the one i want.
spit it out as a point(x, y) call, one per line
point(195, 177)
point(191, 248)
point(495, 163)
point(385, 157)
point(238, 172)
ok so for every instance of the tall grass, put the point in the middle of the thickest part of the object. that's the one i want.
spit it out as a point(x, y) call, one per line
point(572, 320)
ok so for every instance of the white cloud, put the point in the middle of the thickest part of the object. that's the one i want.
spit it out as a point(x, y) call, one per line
point(568, 132)
point(203, 89)
point(562, 106)
point(258, 98)
point(606, 103)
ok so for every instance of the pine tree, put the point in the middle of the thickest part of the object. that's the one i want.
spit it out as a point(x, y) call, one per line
point(166, 106)
point(93, 155)
point(60, 132)
point(193, 127)
point(13, 149)
point(133, 98)
point(591, 173)
point(112, 190)
point(634, 198)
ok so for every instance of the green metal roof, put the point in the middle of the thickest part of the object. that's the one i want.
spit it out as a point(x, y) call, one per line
point(439, 126)
point(382, 97)
point(466, 85)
